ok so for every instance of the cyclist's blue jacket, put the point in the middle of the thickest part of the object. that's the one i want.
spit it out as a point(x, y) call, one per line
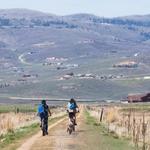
point(43, 110)
point(71, 106)
point(40, 109)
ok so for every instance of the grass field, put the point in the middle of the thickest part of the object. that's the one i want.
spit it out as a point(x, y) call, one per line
point(143, 107)
point(17, 108)
point(100, 136)
point(47, 83)
point(12, 140)
point(127, 120)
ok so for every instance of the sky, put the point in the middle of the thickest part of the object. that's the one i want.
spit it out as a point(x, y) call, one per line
point(103, 8)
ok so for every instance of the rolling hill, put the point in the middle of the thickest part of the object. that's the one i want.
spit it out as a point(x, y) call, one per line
point(30, 39)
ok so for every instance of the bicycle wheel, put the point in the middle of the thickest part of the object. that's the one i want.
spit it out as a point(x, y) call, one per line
point(43, 128)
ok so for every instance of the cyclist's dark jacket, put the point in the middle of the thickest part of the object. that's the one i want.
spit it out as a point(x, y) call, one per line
point(45, 110)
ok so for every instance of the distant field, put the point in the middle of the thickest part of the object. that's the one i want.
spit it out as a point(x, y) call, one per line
point(48, 85)
point(44, 47)
point(17, 108)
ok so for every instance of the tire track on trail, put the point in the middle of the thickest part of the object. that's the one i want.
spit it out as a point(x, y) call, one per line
point(87, 136)
point(28, 144)
point(58, 138)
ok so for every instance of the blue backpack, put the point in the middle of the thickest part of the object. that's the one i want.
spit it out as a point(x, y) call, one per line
point(71, 106)
point(40, 109)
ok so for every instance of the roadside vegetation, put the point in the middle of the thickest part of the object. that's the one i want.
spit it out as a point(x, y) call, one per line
point(20, 121)
point(142, 107)
point(104, 139)
point(11, 121)
point(128, 121)
point(17, 108)
point(14, 139)
point(11, 138)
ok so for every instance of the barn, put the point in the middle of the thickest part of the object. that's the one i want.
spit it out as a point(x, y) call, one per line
point(135, 98)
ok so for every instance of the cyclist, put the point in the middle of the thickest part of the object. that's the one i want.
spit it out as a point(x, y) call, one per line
point(44, 112)
point(72, 109)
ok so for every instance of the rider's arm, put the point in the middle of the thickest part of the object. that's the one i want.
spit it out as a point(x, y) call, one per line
point(67, 109)
point(49, 111)
point(77, 108)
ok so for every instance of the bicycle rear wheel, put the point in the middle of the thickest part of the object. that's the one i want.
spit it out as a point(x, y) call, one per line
point(43, 128)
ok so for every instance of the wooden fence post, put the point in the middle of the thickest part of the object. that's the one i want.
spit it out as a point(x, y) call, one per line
point(101, 115)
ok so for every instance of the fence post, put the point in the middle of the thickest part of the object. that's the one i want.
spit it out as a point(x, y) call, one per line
point(101, 115)
point(144, 128)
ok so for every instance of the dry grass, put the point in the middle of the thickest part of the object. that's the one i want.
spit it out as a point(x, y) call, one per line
point(10, 121)
point(112, 115)
point(132, 124)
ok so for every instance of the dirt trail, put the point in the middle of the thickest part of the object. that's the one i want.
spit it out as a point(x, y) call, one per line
point(28, 144)
point(87, 136)
point(59, 139)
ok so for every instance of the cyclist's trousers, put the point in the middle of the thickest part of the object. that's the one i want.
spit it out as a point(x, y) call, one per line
point(43, 116)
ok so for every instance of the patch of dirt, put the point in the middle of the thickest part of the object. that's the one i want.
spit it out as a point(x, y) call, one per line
point(28, 144)
point(59, 139)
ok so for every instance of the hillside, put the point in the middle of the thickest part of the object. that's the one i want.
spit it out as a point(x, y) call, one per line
point(38, 49)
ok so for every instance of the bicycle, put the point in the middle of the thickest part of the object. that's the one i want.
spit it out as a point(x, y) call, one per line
point(43, 127)
point(71, 124)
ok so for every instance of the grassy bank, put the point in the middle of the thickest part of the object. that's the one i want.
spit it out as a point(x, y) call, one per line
point(17, 108)
point(12, 140)
point(104, 140)
point(141, 107)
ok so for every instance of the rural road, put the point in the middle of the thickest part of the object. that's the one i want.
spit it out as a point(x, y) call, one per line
point(88, 136)
point(58, 138)
point(22, 58)
point(28, 144)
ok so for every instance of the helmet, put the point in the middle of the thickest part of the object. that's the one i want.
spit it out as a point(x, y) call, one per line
point(43, 102)
point(72, 100)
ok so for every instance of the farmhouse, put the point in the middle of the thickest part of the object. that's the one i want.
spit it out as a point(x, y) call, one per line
point(135, 98)
point(126, 64)
point(26, 76)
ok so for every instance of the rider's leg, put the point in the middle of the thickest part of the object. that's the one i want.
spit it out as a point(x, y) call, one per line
point(71, 117)
point(41, 118)
point(46, 125)
point(75, 119)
